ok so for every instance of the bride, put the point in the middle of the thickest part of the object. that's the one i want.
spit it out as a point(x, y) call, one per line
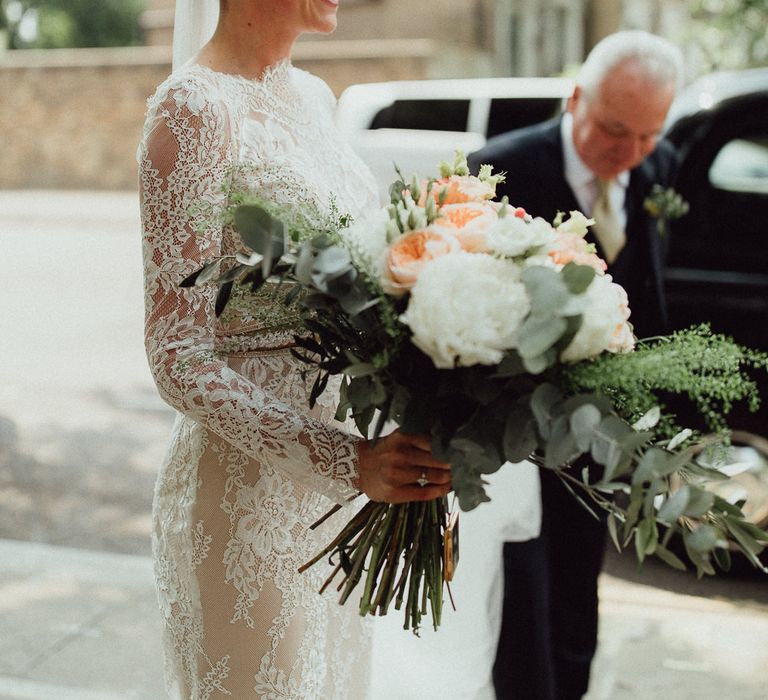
point(250, 467)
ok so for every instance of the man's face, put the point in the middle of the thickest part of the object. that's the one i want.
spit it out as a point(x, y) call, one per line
point(615, 128)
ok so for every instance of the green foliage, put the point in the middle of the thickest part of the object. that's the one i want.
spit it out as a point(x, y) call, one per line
point(730, 34)
point(710, 369)
point(80, 23)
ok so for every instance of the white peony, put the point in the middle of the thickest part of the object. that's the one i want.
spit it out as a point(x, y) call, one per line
point(604, 321)
point(466, 309)
point(512, 236)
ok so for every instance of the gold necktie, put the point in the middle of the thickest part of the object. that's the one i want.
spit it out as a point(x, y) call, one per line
point(609, 232)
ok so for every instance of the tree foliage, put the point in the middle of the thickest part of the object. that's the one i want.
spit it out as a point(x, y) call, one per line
point(74, 23)
point(730, 34)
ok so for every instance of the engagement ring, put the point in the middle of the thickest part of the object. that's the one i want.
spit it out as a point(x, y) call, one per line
point(422, 480)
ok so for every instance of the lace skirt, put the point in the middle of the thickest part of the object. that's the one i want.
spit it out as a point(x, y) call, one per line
point(229, 535)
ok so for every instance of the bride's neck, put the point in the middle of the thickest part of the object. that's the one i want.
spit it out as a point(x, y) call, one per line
point(247, 44)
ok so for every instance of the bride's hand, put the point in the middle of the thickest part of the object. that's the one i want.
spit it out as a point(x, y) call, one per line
point(390, 471)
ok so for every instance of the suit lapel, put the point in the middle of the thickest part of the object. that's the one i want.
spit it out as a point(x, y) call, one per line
point(643, 227)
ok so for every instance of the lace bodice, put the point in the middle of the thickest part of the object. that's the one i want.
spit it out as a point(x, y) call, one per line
point(200, 124)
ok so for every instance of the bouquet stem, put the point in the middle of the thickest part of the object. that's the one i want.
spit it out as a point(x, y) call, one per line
point(400, 547)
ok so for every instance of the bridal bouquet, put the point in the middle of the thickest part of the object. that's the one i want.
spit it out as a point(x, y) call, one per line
point(501, 336)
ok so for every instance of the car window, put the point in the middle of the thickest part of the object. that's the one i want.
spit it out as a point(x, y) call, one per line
point(741, 165)
point(439, 115)
point(513, 113)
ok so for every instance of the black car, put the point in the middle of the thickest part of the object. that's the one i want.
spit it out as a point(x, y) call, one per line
point(718, 259)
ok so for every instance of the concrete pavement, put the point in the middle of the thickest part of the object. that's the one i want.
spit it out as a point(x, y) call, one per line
point(82, 432)
point(83, 625)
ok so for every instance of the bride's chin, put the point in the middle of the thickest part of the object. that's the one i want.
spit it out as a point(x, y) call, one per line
point(325, 25)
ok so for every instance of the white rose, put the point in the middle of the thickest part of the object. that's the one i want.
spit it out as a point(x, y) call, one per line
point(604, 321)
point(513, 236)
point(466, 309)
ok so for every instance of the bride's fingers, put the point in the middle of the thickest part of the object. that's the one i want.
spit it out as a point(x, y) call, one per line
point(420, 459)
point(410, 474)
point(419, 493)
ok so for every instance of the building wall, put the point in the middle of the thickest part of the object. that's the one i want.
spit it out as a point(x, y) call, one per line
point(72, 119)
point(76, 116)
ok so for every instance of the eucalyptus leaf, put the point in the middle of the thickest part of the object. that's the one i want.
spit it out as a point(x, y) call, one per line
point(205, 274)
point(519, 439)
point(613, 531)
point(232, 273)
point(652, 465)
point(259, 230)
point(510, 366)
point(674, 506)
point(602, 403)
point(605, 447)
point(471, 497)
point(546, 290)
point(583, 422)
point(222, 297)
point(363, 419)
point(646, 538)
point(561, 446)
point(359, 392)
point(633, 509)
point(700, 502)
point(704, 538)
point(539, 333)
point(722, 558)
point(538, 364)
point(318, 388)
point(577, 277)
point(544, 400)
point(722, 506)
point(670, 558)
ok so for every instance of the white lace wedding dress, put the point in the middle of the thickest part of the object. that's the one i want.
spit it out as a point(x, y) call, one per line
point(249, 467)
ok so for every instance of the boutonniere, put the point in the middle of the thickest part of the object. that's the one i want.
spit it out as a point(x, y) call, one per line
point(665, 204)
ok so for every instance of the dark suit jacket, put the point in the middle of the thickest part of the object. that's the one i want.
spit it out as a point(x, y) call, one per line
point(533, 160)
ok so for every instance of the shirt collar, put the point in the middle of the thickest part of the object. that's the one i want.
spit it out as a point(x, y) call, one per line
point(577, 174)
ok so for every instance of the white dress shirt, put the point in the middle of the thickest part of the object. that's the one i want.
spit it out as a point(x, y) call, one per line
point(583, 181)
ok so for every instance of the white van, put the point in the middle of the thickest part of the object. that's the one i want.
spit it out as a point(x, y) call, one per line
point(418, 123)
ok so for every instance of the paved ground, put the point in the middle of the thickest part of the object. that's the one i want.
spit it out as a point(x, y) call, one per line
point(81, 434)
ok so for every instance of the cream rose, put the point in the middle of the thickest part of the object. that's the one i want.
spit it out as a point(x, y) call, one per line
point(513, 236)
point(576, 223)
point(604, 324)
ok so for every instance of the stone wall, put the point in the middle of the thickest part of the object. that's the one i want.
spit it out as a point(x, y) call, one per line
point(71, 119)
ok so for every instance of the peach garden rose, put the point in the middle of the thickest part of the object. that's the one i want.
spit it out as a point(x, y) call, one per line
point(408, 255)
point(468, 222)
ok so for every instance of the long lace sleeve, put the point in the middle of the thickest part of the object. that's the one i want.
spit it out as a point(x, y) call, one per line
point(185, 157)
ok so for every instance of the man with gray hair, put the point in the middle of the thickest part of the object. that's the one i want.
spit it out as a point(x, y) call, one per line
point(603, 157)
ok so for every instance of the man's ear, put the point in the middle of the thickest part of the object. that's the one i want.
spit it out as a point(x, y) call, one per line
point(572, 101)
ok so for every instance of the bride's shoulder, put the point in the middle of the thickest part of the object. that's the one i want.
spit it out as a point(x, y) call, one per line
point(188, 87)
point(316, 87)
